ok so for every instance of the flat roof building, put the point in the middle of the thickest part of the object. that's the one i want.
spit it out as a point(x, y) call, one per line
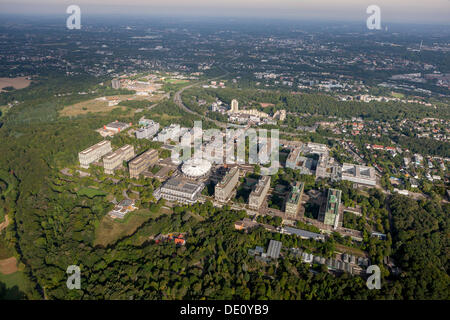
point(274, 249)
point(115, 159)
point(224, 189)
point(304, 234)
point(331, 216)
point(142, 162)
point(359, 174)
point(258, 194)
point(94, 153)
point(294, 199)
point(180, 189)
point(148, 130)
point(116, 126)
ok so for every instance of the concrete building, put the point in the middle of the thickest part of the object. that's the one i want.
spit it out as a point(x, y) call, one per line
point(115, 83)
point(180, 189)
point(115, 159)
point(142, 162)
point(304, 234)
point(116, 126)
point(94, 153)
point(224, 189)
point(359, 174)
point(148, 130)
point(172, 132)
point(294, 199)
point(331, 216)
point(234, 106)
point(258, 195)
point(273, 251)
point(292, 159)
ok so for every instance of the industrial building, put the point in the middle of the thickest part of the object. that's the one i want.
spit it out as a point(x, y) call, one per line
point(294, 199)
point(142, 162)
point(115, 159)
point(94, 153)
point(359, 174)
point(331, 214)
point(257, 196)
point(224, 189)
point(179, 189)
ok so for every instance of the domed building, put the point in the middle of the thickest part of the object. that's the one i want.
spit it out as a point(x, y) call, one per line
point(196, 168)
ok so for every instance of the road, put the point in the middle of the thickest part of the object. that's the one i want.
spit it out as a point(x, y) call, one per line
point(179, 102)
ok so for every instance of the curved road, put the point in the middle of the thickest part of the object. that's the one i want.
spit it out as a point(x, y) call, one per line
point(179, 102)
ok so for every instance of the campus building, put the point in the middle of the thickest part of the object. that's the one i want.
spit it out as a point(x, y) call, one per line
point(115, 159)
point(94, 153)
point(234, 106)
point(294, 199)
point(115, 83)
point(142, 162)
point(257, 196)
point(180, 190)
point(331, 216)
point(148, 130)
point(224, 188)
point(359, 174)
point(116, 126)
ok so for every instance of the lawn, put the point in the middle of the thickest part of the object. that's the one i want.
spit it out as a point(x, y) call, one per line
point(16, 284)
point(91, 193)
point(398, 95)
point(110, 230)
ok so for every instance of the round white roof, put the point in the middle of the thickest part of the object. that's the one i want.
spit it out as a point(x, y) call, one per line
point(196, 167)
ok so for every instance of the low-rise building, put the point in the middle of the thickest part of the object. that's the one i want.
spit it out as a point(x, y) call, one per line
point(115, 159)
point(224, 189)
point(116, 126)
point(180, 189)
point(94, 153)
point(142, 162)
point(258, 194)
point(359, 174)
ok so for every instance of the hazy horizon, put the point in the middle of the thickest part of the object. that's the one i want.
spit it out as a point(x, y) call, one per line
point(400, 11)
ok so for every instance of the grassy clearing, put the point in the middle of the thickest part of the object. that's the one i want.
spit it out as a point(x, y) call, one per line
point(398, 95)
point(85, 107)
point(176, 81)
point(16, 284)
point(110, 230)
point(354, 251)
point(91, 193)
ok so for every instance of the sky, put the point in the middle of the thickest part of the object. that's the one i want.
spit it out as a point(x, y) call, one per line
point(394, 11)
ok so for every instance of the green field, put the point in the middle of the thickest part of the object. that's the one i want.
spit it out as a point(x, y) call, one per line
point(16, 284)
point(110, 230)
point(91, 193)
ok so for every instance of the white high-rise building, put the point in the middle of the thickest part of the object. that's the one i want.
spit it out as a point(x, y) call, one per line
point(234, 106)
